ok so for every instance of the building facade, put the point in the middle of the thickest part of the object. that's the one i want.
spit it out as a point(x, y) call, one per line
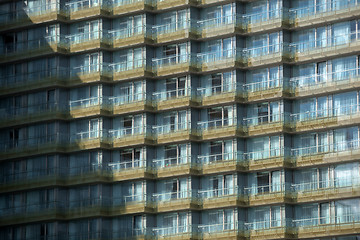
point(179, 119)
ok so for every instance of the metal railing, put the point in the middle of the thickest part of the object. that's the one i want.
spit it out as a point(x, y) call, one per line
point(329, 184)
point(118, 3)
point(265, 16)
point(87, 36)
point(79, 5)
point(213, 158)
point(128, 65)
point(266, 119)
point(169, 128)
point(180, 229)
point(253, 52)
point(233, 54)
point(173, 60)
point(219, 89)
point(169, 94)
point(131, 131)
point(217, 123)
point(123, 165)
point(266, 153)
point(171, 27)
point(47, 107)
point(327, 148)
point(328, 220)
point(91, 68)
point(88, 102)
point(219, 227)
point(130, 32)
point(266, 85)
point(267, 224)
point(219, 192)
point(219, 22)
point(170, 196)
point(135, 97)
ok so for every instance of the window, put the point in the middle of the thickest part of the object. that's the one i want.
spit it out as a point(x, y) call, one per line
point(175, 87)
point(221, 150)
point(176, 188)
point(175, 53)
point(132, 124)
point(220, 116)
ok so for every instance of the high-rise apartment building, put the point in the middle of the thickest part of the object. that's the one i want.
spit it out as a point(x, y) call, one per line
point(179, 119)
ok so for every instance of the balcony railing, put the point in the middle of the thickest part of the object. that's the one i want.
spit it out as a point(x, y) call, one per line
point(219, 22)
point(173, 27)
point(169, 128)
point(264, 17)
point(28, 12)
point(172, 161)
point(266, 85)
point(92, 68)
point(173, 60)
point(170, 94)
point(220, 192)
point(327, 221)
point(324, 44)
point(232, 54)
point(266, 119)
point(125, 165)
point(129, 131)
point(267, 224)
point(273, 188)
point(326, 79)
point(170, 196)
point(177, 230)
point(327, 148)
point(281, 48)
point(33, 77)
point(32, 208)
point(130, 32)
point(329, 184)
point(89, 135)
point(88, 102)
point(30, 45)
point(321, 8)
point(13, 112)
point(33, 174)
point(267, 153)
point(326, 113)
point(218, 227)
point(117, 3)
point(219, 89)
point(135, 97)
point(217, 123)
point(128, 65)
point(87, 37)
point(213, 158)
point(75, 6)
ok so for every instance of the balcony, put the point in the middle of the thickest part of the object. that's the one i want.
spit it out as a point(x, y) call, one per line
point(175, 133)
point(276, 193)
point(34, 80)
point(325, 190)
point(181, 232)
point(270, 229)
point(17, 148)
point(132, 204)
point(130, 170)
point(265, 21)
point(267, 124)
point(48, 12)
point(221, 198)
point(32, 212)
point(267, 90)
point(175, 64)
point(166, 4)
point(88, 8)
point(121, 7)
point(326, 118)
point(41, 177)
point(89, 140)
point(81, 42)
point(171, 32)
point(131, 36)
point(268, 159)
point(344, 80)
point(327, 226)
point(175, 166)
point(87, 207)
point(334, 46)
point(171, 99)
point(32, 48)
point(131, 104)
point(176, 201)
point(324, 12)
point(225, 231)
point(221, 162)
point(33, 113)
point(94, 106)
point(225, 93)
point(130, 69)
point(225, 25)
point(226, 59)
point(97, 72)
point(270, 54)
point(89, 174)
point(220, 128)
point(133, 136)
point(327, 153)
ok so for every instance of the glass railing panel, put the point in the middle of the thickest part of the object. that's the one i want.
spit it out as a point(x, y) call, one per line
point(33, 207)
point(173, 27)
point(266, 85)
point(128, 65)
point(213, 158)
point(219, 89)
point(13, 112)
point(33, 174)
point(75, 6)
point(130, 131)
point(169, 196)
point(126, 165)
point(218, 227)
point(210, 57)
point(334, 41)
point(173, 60)
point(254, 52)
point(266, 153)
point(322, 80)
point(87, 36)
point(268, 189)
point(88, 102)
point(100, 201)
point(181, 229)
point(266, 119)
point(321, 8)
point(217, 123)
point(263, 17)
point(219, 192)
point(171, 161)
point(327, 220)
point(86, 169)
point(171, 94)
point(130, 32)
point(92, 68)
point(219, 22)
point(169, 128)
point(117, 3)
point(329, 184)
point(35, 142)
point(266, 224)
point(135, 97)
point(89, 135)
